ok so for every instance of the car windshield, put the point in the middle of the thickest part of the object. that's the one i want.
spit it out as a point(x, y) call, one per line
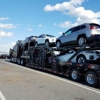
point(50, 35)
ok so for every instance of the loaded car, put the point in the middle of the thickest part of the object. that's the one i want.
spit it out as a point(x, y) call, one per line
point(80, 35)
point(85, 56)
point(45, 39)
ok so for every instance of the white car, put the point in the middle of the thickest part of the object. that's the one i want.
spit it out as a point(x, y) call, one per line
point(92, 56)
point(45, 39)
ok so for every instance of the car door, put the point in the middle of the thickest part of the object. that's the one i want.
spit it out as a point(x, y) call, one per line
point(71, 35)
point(39, 39)
point(66, 56)
point(67, 36)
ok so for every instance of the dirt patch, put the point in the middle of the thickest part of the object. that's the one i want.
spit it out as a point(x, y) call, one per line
point(5, 69)
point(14, 79)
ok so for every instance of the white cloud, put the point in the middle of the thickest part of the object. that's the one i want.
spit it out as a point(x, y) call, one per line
point(4, 18)
point(7, 26)
point(40, 25)
point(60, 33)
point(65, 24)
point(29, 29)
point(63, 6)
point(73, 8)
point(5, 34)
point(6, 47)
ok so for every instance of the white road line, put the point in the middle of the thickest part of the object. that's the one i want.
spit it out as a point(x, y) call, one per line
point(2, 96)
point(65, 80)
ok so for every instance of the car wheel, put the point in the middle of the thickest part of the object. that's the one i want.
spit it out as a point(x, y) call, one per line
point(75, 75)
point(81, 59)
point(58, 44)
point(81, 40)
point(91, 79)
point(47, 43)
point(36, 44)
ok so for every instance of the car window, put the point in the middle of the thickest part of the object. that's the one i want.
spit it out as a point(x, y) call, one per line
point(68, 32)
point(76, 28)
point(50, 35)
point(40, 36)
point(83, 26)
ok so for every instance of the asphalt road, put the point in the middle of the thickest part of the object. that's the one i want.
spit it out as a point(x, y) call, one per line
point(21, 83)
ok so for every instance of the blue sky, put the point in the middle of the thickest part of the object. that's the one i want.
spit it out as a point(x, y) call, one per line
point(22, 18)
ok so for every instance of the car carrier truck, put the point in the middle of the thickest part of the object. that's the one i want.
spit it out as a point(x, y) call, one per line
point(46, 58)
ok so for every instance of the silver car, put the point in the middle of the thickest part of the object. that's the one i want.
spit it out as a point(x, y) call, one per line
point(85, 33)
point(92, 56)
point(45, 39)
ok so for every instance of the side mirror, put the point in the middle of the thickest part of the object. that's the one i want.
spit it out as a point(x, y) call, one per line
point(63, 33)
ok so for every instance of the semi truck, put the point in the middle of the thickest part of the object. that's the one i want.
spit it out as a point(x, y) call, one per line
point(46, 58)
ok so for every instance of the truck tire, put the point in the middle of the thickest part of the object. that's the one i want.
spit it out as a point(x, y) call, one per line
point(18, 62)
point(75, 74)
point(22, 62)
point(91, 79)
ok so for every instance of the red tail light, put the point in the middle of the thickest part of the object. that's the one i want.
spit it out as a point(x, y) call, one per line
point(93, 27)
point(91, 66)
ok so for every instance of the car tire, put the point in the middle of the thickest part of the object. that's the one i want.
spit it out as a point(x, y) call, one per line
point(91, 79)
point(81, 59)
point(58, 44)
point(36, 44)
point(81, 41)
point(75, 74)
point(47, 43)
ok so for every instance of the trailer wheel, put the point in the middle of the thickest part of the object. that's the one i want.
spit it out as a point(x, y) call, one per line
point(75, 75)
point(91, 79)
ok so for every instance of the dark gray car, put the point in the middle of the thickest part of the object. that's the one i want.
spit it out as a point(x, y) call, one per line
point(79, 35)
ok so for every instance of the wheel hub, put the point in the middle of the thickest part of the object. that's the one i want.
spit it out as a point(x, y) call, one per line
point(90, 79)
point(81, 41)
point(74, 75)
point(81, 60)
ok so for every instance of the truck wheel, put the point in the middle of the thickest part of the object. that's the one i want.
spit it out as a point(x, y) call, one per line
point(75, 75)
point(18, 62)
point(91, 79)
point(22, 62)
point(11, 60)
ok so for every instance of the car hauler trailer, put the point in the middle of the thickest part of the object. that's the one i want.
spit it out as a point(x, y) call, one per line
point(46, 58)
